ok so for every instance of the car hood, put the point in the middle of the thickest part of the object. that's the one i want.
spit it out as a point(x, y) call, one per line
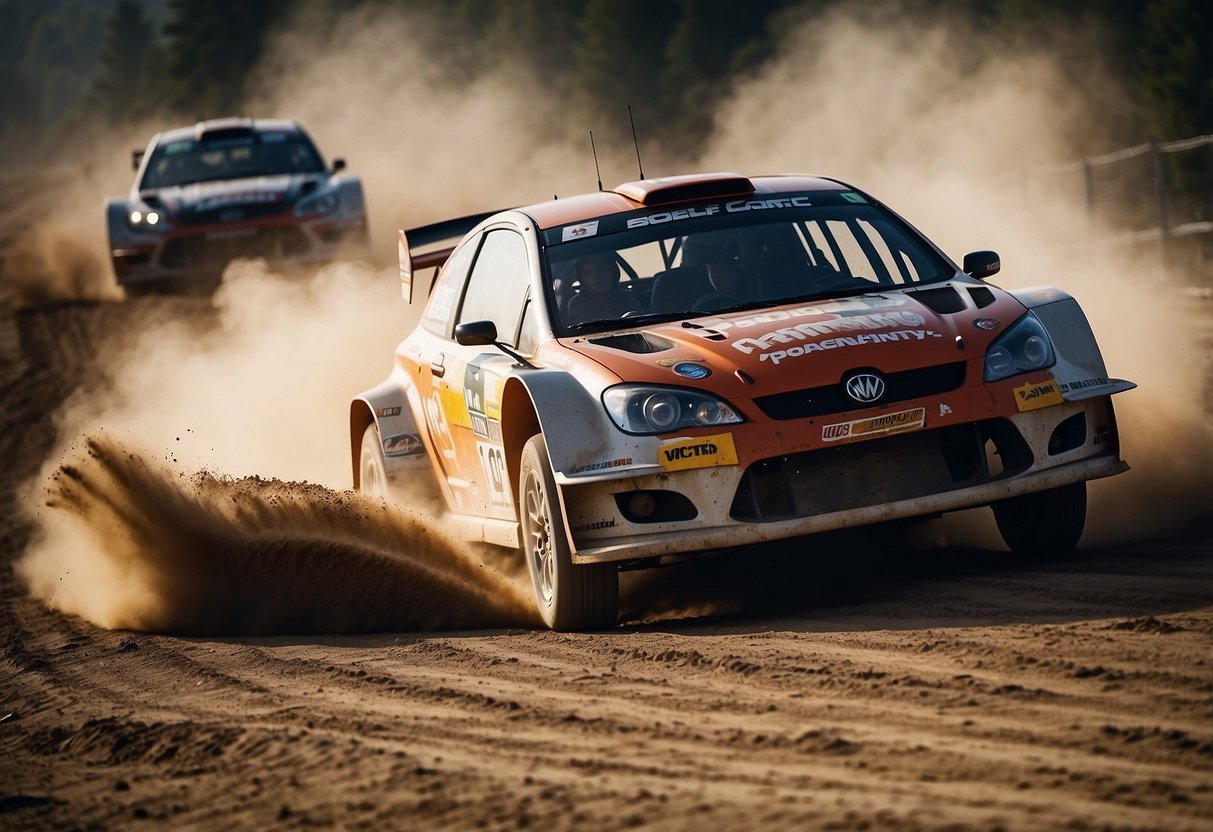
point(796, 346)
point(255, 194)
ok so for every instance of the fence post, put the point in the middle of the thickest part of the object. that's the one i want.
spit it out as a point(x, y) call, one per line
point(1088, 180)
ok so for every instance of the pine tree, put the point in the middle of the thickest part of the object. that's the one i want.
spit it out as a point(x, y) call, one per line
point(120, 82)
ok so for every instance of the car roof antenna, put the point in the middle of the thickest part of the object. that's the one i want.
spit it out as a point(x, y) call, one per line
point(594, 150)
point(635, 143)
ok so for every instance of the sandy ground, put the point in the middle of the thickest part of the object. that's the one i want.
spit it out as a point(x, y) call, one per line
point(841, 686)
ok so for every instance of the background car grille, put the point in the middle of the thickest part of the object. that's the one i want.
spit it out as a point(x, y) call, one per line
point(271, 243)
point(819, 401)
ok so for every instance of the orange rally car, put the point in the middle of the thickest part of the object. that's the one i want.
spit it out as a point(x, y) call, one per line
point(689, 363)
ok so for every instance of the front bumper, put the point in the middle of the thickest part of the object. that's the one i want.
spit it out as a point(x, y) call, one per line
point(192, 254)
point(909, 475)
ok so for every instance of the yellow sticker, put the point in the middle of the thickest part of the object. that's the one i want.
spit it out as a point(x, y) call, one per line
point(1036, 396)
point(701, 452)
point(890, 423)
point(454, 407)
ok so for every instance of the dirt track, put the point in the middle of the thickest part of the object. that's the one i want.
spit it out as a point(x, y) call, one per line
point(948, 688)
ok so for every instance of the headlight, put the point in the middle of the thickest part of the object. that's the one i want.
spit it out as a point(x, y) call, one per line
point(144, 220)
point(1024, 347)
point(317, 206)
point(646, 409)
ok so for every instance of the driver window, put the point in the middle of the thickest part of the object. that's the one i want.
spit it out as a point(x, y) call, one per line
point(497, 287)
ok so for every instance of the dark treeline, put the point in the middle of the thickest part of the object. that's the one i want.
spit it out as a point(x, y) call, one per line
point(71, 64)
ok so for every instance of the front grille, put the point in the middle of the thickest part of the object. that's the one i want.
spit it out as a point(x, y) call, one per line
point(899, 387)
point(210, 251)
point(880, 471)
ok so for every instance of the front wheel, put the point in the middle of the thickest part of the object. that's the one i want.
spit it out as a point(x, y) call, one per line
point(1044, 522)
point(569, 596)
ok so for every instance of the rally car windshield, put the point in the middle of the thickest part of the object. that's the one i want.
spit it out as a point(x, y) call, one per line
point(694, 265)
point(268, 154)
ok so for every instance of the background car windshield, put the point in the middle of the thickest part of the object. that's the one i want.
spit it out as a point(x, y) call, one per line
point(697, 267)
point(188, 161)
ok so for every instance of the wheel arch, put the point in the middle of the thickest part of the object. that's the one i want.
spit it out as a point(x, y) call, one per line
point(554, 403)
point(387, 406)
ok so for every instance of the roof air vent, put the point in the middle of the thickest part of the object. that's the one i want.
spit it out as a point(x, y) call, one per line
point(689, 188)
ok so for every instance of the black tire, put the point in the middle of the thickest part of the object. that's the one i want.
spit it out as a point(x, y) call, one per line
point(569, 596)
point(1045, 522)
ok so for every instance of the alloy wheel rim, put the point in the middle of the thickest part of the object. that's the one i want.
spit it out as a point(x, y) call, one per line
point(539, 536)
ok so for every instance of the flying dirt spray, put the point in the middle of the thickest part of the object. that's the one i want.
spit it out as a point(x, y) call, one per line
point(263, 391)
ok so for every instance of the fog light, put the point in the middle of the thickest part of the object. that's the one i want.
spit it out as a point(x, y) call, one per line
point(641, 505)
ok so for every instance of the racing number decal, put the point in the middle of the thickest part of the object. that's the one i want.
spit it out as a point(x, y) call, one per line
point(492, 460)
point(439, 429)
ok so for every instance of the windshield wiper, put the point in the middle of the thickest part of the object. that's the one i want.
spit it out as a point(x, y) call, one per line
point(631, 320)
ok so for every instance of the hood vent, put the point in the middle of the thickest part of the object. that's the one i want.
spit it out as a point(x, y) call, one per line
point(634, 342)
point(981, 295)
point(944, 301)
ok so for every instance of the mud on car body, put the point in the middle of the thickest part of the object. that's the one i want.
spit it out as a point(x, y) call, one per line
point(794, 358)
point(227, 188)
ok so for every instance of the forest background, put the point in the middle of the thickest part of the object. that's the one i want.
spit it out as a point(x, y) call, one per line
point(74, 65)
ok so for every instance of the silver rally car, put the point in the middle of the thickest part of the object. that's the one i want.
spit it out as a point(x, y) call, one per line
point(227, 188)
point(686, 364)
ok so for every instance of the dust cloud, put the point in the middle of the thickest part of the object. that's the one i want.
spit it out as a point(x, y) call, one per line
point(127, 544)
point(941, 125)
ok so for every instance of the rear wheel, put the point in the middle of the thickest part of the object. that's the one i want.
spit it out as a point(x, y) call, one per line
point(1045, 522)
point(372, 469)
point(569, 596)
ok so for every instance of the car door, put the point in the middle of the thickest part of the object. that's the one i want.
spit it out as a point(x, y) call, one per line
point(442, 406)
point(496, 290)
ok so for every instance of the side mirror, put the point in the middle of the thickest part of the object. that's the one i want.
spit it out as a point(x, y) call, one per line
point(136, 158)
point(476, 333)
point(338, 164)
point(982, 264)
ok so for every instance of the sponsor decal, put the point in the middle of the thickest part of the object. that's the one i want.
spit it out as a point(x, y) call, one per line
point(403, 444)
point(231, 215)
point(900, 321)
point(389, 411)
point(492, 461)
point(1083, 384)
point(701, 452)
point(579, 232)
point(591, 527)
point(670, 362)
point(865, 388)
point(1038, 395)
point(604, 465)
point(734, 207)
point(987, 324)
point(944, 410)
point(482, 398)
point(689, 369)
point(775, 356)
point(873, 426)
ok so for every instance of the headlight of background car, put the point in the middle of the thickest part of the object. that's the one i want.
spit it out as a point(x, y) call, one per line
point(148, 219)
point(647, 409)
point(316, 206)
point(1022, 348)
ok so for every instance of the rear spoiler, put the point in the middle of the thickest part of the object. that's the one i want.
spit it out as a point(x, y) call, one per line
point(447, 231)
